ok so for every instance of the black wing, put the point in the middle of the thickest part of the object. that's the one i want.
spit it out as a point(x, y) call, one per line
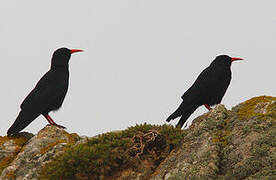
point(209, 87)
point(206, 81)
point(47, 95)
point(48, 92)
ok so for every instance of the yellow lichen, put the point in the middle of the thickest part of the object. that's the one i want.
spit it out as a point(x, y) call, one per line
point(50, 145)
point(20, 141)
point(3, 140)
point(5, 162)
point(222, 131)
point(11, 175)
point(73, 137)
point(221, 137)
point(258, 106)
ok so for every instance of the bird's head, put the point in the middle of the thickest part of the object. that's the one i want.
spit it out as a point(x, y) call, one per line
point(224, 60)
point(62, 56)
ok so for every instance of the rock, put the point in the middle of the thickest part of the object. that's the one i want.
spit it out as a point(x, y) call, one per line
point(40, 149)
point(10, 147)
point(221, 144)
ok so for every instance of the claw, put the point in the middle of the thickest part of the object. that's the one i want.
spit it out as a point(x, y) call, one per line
point(60, 126)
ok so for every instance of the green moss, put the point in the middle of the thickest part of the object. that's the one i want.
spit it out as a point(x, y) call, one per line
point(114, 152)
point(265, 173)
point(262, 161)
point(257, 124)
point(252, 107)
point(195, 176)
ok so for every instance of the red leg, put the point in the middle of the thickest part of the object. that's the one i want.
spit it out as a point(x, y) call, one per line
point(48, 119)
point(208, 107)
point(51, 121)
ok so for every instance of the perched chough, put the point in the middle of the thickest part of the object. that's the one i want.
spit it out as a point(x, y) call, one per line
point(207, 90)
point(48, 94)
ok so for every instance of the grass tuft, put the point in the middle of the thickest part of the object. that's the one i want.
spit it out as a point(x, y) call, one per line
point(114, 152)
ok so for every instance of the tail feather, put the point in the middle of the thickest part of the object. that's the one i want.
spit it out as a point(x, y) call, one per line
point(23, 120)
point(185, 115)
point(176, 113)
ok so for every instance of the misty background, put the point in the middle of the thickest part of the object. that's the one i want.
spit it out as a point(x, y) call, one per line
point(139, 56)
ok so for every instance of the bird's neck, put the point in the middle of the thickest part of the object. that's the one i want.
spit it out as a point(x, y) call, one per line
point(60, 67)
point(221, 67)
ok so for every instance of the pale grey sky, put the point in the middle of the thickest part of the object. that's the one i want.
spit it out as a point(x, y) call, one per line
point(140, 56)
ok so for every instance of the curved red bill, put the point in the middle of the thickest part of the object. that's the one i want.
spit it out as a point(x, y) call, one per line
point(75, 50)
point(236, 59)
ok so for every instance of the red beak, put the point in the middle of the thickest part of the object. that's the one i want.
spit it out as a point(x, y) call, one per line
point(75, 50)
point(236, 59)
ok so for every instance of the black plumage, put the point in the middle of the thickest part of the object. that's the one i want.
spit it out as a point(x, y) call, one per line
point(208, 89)
point(48, 94)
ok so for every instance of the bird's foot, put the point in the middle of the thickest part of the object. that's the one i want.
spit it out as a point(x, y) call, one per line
point(60, 126)
point(52, 122)
point(57, 125)
point(208, 107)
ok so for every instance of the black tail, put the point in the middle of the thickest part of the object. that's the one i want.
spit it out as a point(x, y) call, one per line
point(23, 120)
point(176, 113)
point(185, 115)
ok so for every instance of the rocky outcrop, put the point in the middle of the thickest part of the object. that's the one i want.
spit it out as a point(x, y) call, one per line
point(221, 144)
point(10, 147)
point(34, 152)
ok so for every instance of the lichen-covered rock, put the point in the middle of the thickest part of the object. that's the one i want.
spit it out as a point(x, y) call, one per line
point(40, 149)
point(222, 144)
point(10, 147)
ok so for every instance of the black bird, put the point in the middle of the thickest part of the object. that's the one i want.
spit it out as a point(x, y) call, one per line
point(48, 94)
point(207, 90)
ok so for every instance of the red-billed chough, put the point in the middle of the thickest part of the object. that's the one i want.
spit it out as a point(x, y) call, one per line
point(207, 90)
point(48, 94)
